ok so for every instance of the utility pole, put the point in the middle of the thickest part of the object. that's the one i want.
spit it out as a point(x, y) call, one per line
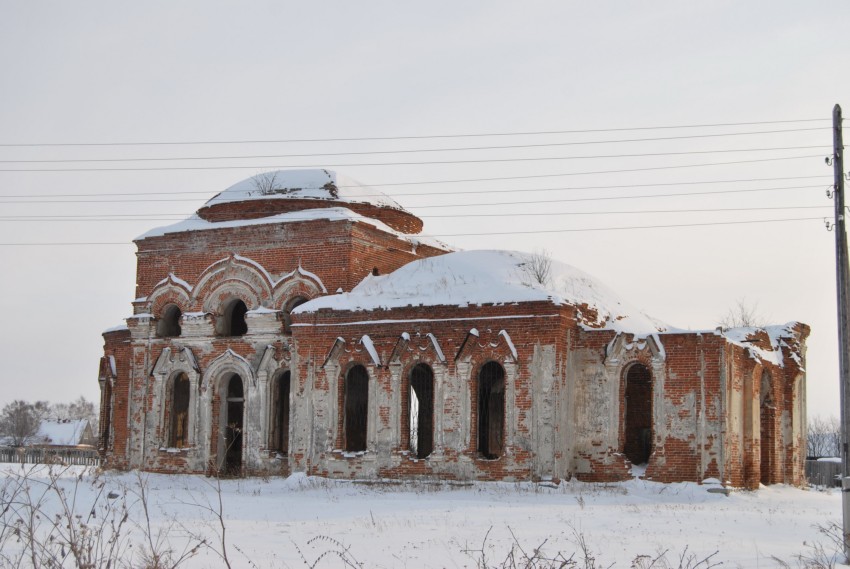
point(842, 276)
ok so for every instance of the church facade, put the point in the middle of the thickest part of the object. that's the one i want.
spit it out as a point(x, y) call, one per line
point(299, 323)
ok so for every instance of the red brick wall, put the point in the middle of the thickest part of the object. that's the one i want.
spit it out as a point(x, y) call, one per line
point(314, 335)
point(341, 253)
point(117, 345)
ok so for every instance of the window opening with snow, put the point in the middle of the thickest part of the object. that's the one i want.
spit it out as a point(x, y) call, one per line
point(421, 410)
point(232, 320)
point(637, 443)
point(279, 432)
point(287, 312)
point(491, 410)
point(356, 408)
point(168, 325)
point(178, 435)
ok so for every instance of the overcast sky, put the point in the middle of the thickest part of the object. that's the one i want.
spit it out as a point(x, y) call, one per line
point(87, 72)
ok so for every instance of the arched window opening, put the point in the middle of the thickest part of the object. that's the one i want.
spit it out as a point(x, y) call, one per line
point(234, 411)
point(168, 325)
point(279, 431)
point(290, 306)
point(356, 408)
point(178, 435)
point(491, 410)
point(637, 443)
point(767, 429)
point(421, 411)
point(105, 416)
point(232, 320)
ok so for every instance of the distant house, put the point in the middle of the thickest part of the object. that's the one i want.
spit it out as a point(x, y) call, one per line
point(64, 433)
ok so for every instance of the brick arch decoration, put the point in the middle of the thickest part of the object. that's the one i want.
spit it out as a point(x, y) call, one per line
point(296, 283)
point(478, 348)
point(233, 276)
point(498, 346)
point(216, 302)
point(411, 350)
point(169, 364)
point(621, 353)
point(228, 362)
point(170, 290)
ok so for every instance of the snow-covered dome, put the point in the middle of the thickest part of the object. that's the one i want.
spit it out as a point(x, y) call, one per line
point(283, 191)
point(477, 277)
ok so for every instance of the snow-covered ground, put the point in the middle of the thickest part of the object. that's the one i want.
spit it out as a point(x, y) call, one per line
point(268, 521)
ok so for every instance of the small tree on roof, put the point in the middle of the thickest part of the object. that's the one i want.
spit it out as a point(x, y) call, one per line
point(744, 314)
point(266, 183)
point(537, 267)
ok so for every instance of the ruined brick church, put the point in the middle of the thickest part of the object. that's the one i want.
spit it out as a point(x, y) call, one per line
point(298, 322)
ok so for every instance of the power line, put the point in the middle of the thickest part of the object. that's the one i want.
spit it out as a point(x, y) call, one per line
point(106, 217)
point(584, 157)
point(536, 231)
point(668, 226)
point(431, 193)
point(641, 212)
point(561, 174)
point(424, 163)
point(423, 150)
point(410, 137)
point(641, 196)
point(605, 198)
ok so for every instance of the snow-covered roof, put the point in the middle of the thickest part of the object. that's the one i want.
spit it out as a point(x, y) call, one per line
point(478, 277)
point(195, 223)
point(317, 184)
point(747, 337)
point(68, 432)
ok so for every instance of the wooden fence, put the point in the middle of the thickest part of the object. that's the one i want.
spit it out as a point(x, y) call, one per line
point(39, 455)
point(823, 473)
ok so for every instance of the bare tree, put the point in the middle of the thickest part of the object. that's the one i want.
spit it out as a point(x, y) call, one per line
point(537, 267)
point(81, 408)
point(744, 314)
point(20, 420)
point(266, 183)
point(55, 517)
point(824, 437)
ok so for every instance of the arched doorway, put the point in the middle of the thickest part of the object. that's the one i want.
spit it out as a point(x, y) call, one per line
point(178, 435)
point(637, 439)
point(491, 410)
point(279, 424)
point(233, 423)
point(421, 410)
